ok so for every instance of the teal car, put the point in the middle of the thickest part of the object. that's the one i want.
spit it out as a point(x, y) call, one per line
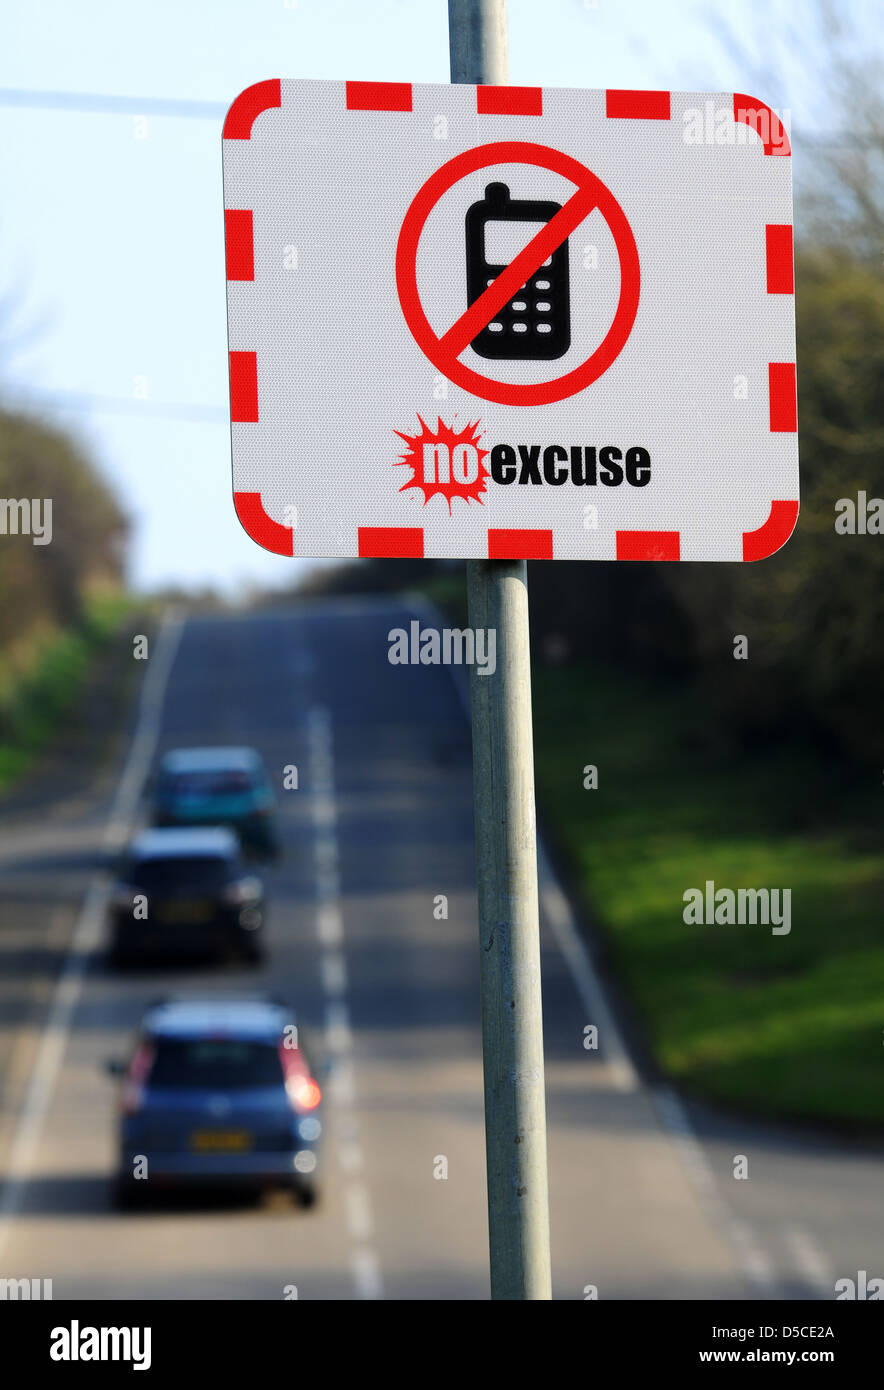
point(218, 786)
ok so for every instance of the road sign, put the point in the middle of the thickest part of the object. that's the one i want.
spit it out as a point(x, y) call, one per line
point(509, 322)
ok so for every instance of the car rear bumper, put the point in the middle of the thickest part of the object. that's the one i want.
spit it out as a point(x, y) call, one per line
point(222, 1169)
point(130, 940)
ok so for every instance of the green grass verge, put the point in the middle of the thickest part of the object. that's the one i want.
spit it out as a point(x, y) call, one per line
point(33, 701)
point(787, 1026)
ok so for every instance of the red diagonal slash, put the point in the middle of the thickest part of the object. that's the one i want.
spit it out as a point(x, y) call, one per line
point(519, 271)
point(445, 352)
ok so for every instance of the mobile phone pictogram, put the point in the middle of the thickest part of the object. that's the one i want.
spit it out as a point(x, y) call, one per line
point(536, 323)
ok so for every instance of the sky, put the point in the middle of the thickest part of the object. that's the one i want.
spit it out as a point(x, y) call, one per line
point(111, 227)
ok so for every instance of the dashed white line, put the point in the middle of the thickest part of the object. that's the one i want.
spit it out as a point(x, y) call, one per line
point(338, 1035)
point(329, 925)
point(367, 1274)
point(343, 1086)
point(333, 968)
point(350, 1155)
point(359, 1216)
point(364, 1262)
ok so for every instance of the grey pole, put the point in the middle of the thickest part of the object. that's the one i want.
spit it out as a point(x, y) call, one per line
point(506, 847)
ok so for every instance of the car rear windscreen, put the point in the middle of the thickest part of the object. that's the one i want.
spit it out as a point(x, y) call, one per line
point(217, 783)
point(225, 1064)
point(205, 873)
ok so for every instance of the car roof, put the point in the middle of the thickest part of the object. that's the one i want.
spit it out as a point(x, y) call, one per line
point(210, 760)
point(213, 842)
point(252, 1018)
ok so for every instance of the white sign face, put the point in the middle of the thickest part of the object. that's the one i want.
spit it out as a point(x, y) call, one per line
point(510, 322)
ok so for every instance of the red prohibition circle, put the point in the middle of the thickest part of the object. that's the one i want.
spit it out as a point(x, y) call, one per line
point(488, 387)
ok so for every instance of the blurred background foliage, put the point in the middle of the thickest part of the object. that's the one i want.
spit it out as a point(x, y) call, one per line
point(58, 602)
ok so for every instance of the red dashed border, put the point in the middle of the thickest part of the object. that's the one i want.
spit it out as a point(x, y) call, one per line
point(247, 107)
point(244, 388)
point(779, 258)
point(386, 542)
point(637, 106)
point(523, 542)
point(378, 96)
point(509, 101)
point(783, 389)
point(755, 114)
point(773, 533)
point(648, 545)
point(239, 244)
point(519, 543)
point(261, 527)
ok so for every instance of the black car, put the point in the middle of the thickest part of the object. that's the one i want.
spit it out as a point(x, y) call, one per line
point(186, 892)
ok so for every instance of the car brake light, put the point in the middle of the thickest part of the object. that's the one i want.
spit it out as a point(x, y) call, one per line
point(132, 1099)
point(303, 1092)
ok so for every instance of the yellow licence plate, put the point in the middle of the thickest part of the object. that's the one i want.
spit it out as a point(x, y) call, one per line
point(221, 1140)
point(186, 910)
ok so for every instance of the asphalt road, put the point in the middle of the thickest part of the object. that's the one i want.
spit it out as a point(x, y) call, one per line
point(643, 1199)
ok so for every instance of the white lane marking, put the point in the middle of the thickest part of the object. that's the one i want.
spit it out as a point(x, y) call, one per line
point(755, 1263)
point(333, 968)
point(367, 1274)
point(342, 1087)
point(812, 1264)
point(338, 1036)
point(359, 1215)
point(558, 913)
point(87, 933)
point(752, 1260)
point(349, 1149)
point(350, 1155)
point(364, 1262)
point(147, 731)
point(329, 925)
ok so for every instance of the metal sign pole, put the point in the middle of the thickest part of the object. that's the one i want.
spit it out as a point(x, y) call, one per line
point(506, 847)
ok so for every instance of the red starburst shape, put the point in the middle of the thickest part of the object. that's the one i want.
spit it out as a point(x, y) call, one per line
point(445, 461)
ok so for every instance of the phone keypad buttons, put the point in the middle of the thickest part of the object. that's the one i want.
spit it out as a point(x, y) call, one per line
point(534, 324)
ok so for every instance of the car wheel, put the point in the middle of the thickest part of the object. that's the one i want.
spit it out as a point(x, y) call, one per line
point(306, 1194)
point(129, 1195)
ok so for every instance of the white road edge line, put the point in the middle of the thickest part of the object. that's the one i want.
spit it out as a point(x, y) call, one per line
point(87, 931)
point(812, 1264)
